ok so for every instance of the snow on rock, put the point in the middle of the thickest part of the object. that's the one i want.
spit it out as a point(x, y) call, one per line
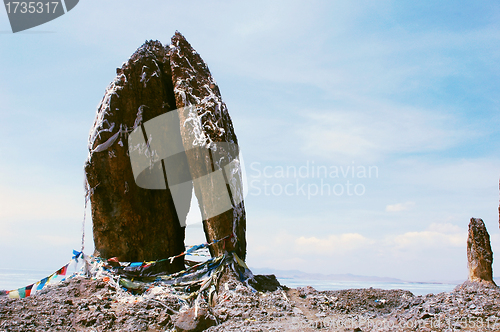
point(136, 223)
point(208, 124)
point(130, 222)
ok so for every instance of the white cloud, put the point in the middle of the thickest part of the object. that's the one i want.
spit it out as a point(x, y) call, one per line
point(55, 240)
point(35, 205)
point(399, 207)
point(445, 228)
point(371, 131)
point(437, 235)
point(415, 255)
point(455, 175)
point(429, 239)
point(333, 244)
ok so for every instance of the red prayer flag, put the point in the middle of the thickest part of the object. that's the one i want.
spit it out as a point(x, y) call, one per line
point(62, 271)
point(28, 290)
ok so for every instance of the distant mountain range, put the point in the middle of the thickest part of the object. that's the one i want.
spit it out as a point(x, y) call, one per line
point(296, 274)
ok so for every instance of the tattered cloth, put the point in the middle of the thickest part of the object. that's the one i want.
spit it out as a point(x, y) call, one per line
point(60, 275)
point(147, 271)
point(198, 280)
point(187, 284)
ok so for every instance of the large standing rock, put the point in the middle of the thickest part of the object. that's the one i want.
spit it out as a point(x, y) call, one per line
point(211, 145)
point(136, 207)
point(132, 223)
point(479, 254)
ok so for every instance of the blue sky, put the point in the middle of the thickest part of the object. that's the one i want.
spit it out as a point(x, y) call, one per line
point(410, 88)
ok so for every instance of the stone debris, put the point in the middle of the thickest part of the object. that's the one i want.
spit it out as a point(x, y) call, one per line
point(82, 304)
point(194, 320)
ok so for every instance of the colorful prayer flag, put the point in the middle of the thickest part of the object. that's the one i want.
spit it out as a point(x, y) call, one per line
point(22, 292)
point(28, 290)
point(14, 294)
point(42, 283)
point(62, 270)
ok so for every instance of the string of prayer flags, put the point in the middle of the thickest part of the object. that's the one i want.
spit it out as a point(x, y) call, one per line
point(57, 276)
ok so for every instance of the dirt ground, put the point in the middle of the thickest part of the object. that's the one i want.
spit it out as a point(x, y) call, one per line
point(83, 304)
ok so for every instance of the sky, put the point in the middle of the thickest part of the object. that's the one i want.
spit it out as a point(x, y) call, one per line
point(369, 130)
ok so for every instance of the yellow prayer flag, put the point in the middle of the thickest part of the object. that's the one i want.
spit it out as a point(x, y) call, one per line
point(14, 294)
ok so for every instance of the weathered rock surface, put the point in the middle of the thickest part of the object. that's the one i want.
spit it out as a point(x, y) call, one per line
point(138, 224)
point(132, 223)
point(82, 304)
point(194, 85)
point(94, 305)
point(194, 320)
point(265, 283)
point(479, 254)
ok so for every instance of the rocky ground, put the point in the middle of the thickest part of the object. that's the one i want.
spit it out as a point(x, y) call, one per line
point(83, 304)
